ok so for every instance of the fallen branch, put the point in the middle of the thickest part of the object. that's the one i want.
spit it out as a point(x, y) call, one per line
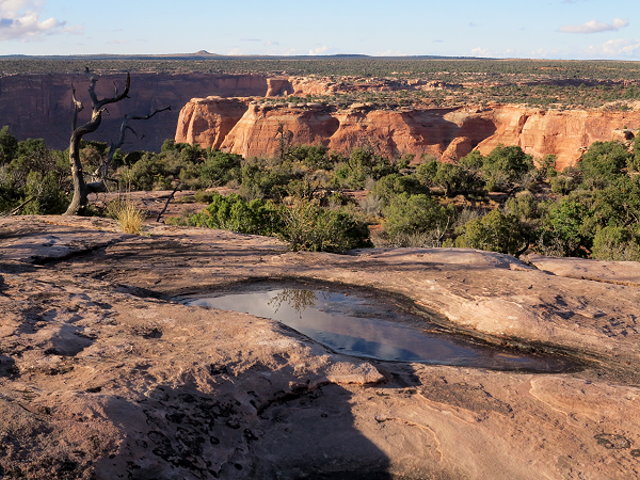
point(166, 205)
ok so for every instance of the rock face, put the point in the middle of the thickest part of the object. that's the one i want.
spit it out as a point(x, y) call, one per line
point(103, 375)
point(564, 133)
point(445, 133)
point(209, 120)
point(39, 106)
point(431, 131)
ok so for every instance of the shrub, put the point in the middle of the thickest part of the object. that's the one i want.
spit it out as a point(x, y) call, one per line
point(264, 180)
point(564, 229)
point(564, 183)
point(363, 164)
point(391, 185)
point(472, 161)
point(231, 212)
point(634, 162)
point(47, 196)
point(505, 167)
point(425, 172)
point(602, 164)
point(409, 215)
point(526, 208)
point(219, 168)
point(616, 243)
point(617, 205)
point(495, 232)
point(313, 228)
point(8, 145)
point(312, 156)
point(455, 180)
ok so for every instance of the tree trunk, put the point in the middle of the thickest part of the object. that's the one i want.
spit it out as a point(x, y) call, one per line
point(80, 194)
point(80, 187)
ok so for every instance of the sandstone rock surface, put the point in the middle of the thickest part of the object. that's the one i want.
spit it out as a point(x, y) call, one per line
point(563, 133)
point(39, 106)
point(430, 131)
point(103, 376)
point(447, 134)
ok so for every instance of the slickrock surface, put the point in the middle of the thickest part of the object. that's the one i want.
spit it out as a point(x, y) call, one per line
point(103, 376)
point(625, 273)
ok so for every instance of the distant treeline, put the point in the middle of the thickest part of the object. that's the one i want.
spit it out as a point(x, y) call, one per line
point(445, 69)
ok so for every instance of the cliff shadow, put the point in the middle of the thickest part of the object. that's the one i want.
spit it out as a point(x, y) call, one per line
point(237, 432)
point(432, 128)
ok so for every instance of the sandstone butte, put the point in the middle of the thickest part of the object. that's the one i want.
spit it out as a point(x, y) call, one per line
point(248, 127)
point(103, 375)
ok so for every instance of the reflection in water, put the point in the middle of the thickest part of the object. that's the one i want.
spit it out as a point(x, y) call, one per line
point(361, 326)
point(297, 298)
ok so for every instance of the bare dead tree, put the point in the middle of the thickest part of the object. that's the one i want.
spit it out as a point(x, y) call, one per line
point(102, 172)
point(80, 187)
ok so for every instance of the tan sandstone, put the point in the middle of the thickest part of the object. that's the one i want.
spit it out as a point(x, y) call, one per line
point(102, 375)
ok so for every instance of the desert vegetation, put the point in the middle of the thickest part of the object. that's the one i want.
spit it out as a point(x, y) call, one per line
point(314, 199)
point(404, 82)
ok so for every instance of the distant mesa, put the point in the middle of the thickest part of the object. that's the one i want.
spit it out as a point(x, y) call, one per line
point(204, 53)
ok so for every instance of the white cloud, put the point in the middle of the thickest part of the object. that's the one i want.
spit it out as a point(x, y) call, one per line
point(480, 52)
point(319, 50)
point(20, 19)
point(595, 26)
point(616, 48)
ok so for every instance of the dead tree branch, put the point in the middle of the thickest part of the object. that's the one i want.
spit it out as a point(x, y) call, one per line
point(80, 190)
point(100, 175)
point(166, 205)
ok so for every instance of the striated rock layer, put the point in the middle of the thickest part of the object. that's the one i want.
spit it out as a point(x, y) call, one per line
point(103, 375)
point(39, 106)
point(564, 133)
point(445, 133)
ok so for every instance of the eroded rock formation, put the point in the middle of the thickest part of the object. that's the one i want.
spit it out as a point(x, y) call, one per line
point(445, 133)
point(564, 133)
point(40, 106)
point(429, 131)
point(103, 375)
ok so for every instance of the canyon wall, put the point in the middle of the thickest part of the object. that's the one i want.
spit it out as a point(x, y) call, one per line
point(238, 120)
point(564, 133)
point(39, 106)
point(445, 133)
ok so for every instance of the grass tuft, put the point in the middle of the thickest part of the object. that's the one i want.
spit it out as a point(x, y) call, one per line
point(130, 217)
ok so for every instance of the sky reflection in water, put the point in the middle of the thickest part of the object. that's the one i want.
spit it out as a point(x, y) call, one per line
point(363, 327)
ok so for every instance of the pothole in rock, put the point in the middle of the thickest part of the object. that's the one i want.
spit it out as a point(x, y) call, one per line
point(363, 324)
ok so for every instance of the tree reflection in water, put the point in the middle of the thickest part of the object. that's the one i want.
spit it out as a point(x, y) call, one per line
point(297, 298)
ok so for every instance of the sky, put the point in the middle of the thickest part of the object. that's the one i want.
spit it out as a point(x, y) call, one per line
point(550, 29)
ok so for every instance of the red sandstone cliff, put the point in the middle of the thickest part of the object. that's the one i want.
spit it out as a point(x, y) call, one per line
point(562, 133)
point(39, 106)
point(207, 121)
point(446, 133)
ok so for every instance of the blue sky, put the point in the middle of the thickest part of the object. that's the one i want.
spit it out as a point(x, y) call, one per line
point(565, 29)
